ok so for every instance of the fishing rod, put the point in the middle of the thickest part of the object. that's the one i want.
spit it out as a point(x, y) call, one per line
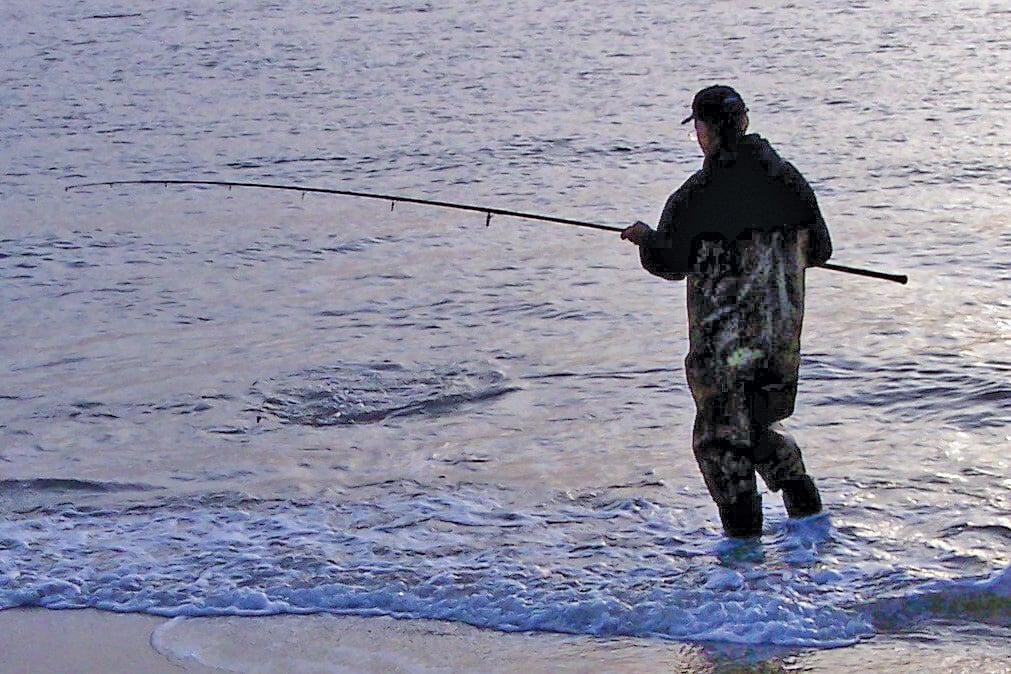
point(395, 199)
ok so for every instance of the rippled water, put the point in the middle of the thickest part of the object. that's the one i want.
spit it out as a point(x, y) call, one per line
point(249, 402)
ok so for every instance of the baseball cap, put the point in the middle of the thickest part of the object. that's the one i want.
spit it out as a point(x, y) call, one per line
point(716, 103)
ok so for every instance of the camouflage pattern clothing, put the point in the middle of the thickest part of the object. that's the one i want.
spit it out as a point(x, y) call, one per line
point(746, 308)
point(742, 231)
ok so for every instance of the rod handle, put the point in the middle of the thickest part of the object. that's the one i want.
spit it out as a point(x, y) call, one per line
point(896, 278)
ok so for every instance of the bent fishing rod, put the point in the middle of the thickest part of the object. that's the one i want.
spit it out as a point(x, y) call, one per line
point(395, 199)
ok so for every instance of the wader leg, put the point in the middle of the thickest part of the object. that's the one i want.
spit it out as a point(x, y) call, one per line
point(779, 462)
point(801, 497)
point(743, 517)
point(729, 474)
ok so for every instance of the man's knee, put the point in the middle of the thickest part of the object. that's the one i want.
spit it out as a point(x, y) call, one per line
point(728, 472)
point(778, 458)
point(773, 443)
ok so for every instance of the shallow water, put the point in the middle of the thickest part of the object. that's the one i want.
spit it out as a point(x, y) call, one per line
point(233, 402)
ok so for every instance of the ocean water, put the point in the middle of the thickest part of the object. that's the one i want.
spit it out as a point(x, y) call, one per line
point(246, 402)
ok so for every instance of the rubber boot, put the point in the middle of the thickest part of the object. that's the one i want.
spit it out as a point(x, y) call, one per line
point(743, 517)
point(801, 497)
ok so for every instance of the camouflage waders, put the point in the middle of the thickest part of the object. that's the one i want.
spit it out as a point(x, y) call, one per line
point(746, 308)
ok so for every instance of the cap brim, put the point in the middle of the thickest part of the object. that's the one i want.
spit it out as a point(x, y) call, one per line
point(688, 119)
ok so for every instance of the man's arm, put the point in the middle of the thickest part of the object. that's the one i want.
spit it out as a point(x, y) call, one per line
point(661, 251)
point(819, 247)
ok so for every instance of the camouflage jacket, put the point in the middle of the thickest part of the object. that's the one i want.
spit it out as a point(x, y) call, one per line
point(742, 233)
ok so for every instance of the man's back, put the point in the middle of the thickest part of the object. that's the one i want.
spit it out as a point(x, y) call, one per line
point(746, 308)
point(756, 190)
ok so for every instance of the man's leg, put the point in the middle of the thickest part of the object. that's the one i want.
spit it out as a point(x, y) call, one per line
point(743, 517)
point(778, 460)
point(729, 475)
point(801, 497)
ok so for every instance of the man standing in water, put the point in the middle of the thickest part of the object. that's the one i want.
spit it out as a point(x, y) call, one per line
point(742, 230)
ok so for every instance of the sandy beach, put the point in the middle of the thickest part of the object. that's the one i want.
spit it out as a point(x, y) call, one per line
point(37, 641)
point(33, 641)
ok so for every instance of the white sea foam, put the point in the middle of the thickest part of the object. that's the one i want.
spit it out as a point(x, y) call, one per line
point(569, 566)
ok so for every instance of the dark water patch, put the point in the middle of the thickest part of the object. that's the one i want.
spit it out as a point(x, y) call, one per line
point(549, 311)
point(998, 530)
point(109, 415)
point(603, 375)
point(59, 362)
point(354, 313)
point(125, 289)
point(986, 601)
point(355, 393)
point(113, 16)
point(32, 494)
point(186, 407)
point(82, 411)
point(91, 410)
point(262, 162)
point(70, 485)
point(229, 430)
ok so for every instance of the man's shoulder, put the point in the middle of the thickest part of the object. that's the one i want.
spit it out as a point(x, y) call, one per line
point(774, 163)
point(695, 182)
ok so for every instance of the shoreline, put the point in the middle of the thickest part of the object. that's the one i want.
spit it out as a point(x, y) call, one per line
point(88, 641)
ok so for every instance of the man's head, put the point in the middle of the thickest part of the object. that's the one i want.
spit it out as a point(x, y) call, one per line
point(720, 117)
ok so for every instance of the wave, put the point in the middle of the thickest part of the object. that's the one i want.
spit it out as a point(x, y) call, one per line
point(982, 600)
point(50, 484)
point(581, 565)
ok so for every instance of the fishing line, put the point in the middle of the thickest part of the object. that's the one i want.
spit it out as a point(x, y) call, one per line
point(395, 199)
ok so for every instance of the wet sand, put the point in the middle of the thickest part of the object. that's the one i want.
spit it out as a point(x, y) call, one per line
point(35, 641)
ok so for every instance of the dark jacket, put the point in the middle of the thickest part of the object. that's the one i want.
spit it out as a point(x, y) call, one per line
point(757, 190)
point(742, 230)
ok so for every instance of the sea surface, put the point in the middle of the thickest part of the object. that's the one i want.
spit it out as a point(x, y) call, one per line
point(242, 402)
